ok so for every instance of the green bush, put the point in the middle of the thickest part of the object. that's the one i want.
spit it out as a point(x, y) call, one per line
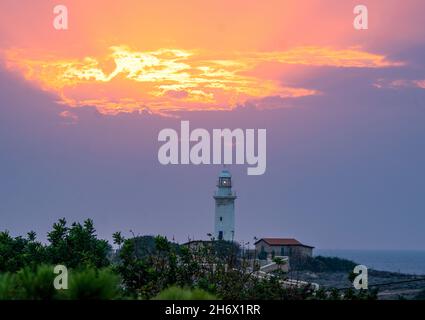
point(92, 284)
point(176, 293)
point(28, 284)
point(323, 264)
point(7, 286)
point(35, 284)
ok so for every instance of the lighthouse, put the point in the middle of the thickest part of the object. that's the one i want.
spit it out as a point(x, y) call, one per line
point(224, 226)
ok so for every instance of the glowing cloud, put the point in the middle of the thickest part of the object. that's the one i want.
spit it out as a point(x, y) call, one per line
point(169, 80)
point(323, 56)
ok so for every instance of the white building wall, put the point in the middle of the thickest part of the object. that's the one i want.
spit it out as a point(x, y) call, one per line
point(225, 209)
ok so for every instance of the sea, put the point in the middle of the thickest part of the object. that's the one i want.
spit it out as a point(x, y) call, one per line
point(403, 261)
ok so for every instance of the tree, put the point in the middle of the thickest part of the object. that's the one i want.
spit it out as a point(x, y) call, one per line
point(148, 269)
point(16, 253)
point(77, 246)
point(118, 239)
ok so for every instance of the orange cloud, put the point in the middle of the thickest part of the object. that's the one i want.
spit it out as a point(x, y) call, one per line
point(167, 80)
point(325, 56)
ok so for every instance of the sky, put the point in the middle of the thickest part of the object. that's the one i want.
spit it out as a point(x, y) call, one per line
point(344, 109)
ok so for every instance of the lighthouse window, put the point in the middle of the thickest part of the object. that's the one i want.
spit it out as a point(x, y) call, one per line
point(225, 182)
point(221, 218)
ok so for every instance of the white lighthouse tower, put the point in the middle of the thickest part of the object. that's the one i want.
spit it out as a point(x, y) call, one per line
point(224, 208)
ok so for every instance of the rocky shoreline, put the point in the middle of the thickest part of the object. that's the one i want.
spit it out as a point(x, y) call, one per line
point(390, 285)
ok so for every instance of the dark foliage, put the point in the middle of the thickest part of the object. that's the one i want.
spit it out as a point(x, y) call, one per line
point(323, 264)
point(143, 267)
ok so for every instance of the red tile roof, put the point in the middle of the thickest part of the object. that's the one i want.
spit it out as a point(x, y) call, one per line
point(283, 242)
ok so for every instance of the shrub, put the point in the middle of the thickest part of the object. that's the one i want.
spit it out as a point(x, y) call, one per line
point(323, 264)
point(35, 284)
point(7, 286)
point(177, 293)
point(91, 284)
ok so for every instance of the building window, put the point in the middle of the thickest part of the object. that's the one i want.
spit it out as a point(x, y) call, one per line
point(221, 218)
point(220, 235)
point(263, 254)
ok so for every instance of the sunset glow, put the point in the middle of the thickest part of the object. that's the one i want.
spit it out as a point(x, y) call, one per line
point(175, 79)
point(159, 58)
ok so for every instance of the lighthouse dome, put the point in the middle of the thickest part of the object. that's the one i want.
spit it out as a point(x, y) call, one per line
point(225, 174)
